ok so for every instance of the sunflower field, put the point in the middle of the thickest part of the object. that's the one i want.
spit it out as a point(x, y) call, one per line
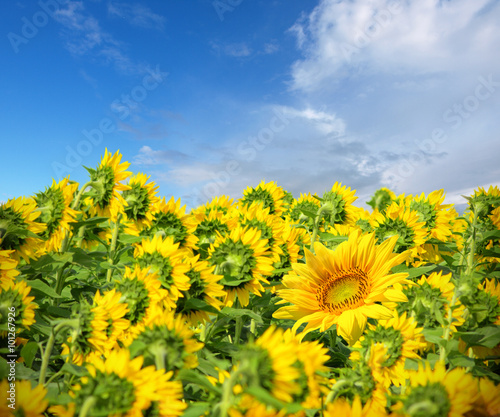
point(116, 302)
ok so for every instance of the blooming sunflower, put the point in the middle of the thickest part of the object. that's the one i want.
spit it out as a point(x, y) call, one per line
point(306, 203)
point(382, 199)
point(337, 205)
point(428, 302)
point(436, 392)
point(344, 408)
point(169, 219)
point(163, 257)
point(55, 206)
point(26, 401)
point(487, 403)
point(221, 204)
point(400, 338)
point(16, 295)
point(269, 194)
point(399, 220)
point(290, 248)
point(140, 290)
point(204, 287)
point(166, 341)
point(8, 265)
point(269, 363)
point(19, 229)
point(271, 226)
point(120, 386)
point(436, 215)
point(140, 198)
point(243, 259)
point(343, 287)
point(105, 199)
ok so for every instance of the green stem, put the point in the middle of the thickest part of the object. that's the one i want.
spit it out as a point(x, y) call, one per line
point(333, 338)
point(50, 345)
point(87, 406)
point(237, 331)
point(227, 394)
point(112, 249)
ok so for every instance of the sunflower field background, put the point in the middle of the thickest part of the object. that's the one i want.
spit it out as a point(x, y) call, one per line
point(116, 302)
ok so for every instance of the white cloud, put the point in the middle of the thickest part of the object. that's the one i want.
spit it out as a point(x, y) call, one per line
point(386, 36)
point(137, 15)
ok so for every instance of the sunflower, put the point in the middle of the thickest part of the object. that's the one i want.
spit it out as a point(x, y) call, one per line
point(488, 402)
point(89, 339)
point(25, 401)
point(140, 198)
point(169, 219)
point(337, 205)
point(105, 199)
point(362, 381)
point(120, 386)
point(428, 302)
point(16, 295)
point(19, 229)
point(8, 265)
point(271, 226)
point(269, 363)
point(382, 199)
point(55, 205)
point(140, 290)
point(343, 287)
point(495, 217)
point(400, 338)
point(436, 215)
point(209, 224)
point(166, 341)
point(243, 259)
point(204, 288)
point(269, 194)
point(436, 392)
point(344, 408)
point(221, 204)
point(306, 203)
point(399, 220)
point(163, 257)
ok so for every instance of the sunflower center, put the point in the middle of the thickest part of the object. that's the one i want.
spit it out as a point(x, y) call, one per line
point(343, 291)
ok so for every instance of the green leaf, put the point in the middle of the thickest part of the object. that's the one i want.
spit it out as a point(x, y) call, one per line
point(433, 335)
point(188, 375)
point(74, 369)
point(413, 272)
point(265, 397)
point(240, 312)
point(485, 336)
point(197, 304)
point(43, 288)
point(458, 359)
point(197, 409)
point(28, 352)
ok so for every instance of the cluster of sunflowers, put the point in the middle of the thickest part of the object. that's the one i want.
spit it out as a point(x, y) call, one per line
point(126, 305)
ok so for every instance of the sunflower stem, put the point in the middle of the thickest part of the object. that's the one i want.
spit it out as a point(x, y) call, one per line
point(112, 249)
point(50, 345)
point(87, 406)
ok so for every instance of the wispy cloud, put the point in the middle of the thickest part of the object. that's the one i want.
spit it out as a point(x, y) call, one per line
point(149, 156)
point(137, 15)
point(84, 35)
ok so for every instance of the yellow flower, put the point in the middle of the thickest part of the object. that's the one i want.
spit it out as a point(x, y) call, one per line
point(18, 227)
point(55, 205)
point(436, 392)
point(169, 219)
point(337, 205)
point(140, 198)
point(269, 194)
point(488, 401)
point(26, 401)
point(243, 258)
point(8, 265)
point(400, 338)
point(343, 287)
point(16, 295)
point(342, 407)
point(399, 220)
point(105, 199)
point(163, 257)
point(382, 198)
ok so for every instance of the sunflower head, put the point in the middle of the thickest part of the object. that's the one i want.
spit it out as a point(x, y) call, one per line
point(382, 198)
point(242, 257)
point(8, 265)
point(343, 287)
point(105, 199)
point(27, 400)
point(337, 204)
point(269, 194)
point(19, 229)
point(16, 295)
point(140, 198)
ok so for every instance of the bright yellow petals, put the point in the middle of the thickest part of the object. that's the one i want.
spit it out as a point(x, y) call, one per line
point(269, 194)
point(344, 286)
point(438, 392)
point(55, 206)
point(337, 206)
point(242, 257)
point(18, 222)
point(22, 400)
point(342, 407)
point(16, 295)
point(8, 265)
point(105, 198)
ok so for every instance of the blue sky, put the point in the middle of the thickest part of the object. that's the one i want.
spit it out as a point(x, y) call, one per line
point(209, 97)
